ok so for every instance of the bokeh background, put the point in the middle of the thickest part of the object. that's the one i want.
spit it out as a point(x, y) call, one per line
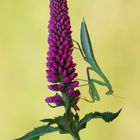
point(114, 27)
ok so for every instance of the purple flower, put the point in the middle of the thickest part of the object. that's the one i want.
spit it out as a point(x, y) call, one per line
point(60, 66)
point(55, 99)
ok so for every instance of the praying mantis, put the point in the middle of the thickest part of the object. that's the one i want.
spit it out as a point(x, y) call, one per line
point(88, 55)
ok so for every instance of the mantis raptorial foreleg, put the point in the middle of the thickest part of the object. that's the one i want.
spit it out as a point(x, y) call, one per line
point(105, 83)
point(99, 83)
point(92, 89)
point(95, 81)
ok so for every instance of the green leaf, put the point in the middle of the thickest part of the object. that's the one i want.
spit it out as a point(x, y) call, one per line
point(63, 122)
point(52, 121)
point(46, 120)
point(106, 116)
point(76, 117)
point(83, 122)
point(109, 116)
point(37, 132)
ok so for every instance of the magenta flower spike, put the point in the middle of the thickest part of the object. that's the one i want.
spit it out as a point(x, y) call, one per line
point(60, 66)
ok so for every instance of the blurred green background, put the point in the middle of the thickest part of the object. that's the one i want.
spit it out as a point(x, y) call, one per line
point(115, 31)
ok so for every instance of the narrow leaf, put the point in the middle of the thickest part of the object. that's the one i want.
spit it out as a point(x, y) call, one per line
point(83, 122)
point(109, 116)
point(46, 120)
point(106, 116)
point(76, 116)
point(37, 132)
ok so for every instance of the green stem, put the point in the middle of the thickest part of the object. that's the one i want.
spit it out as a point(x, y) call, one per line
point(66, 103)
point(76, 137)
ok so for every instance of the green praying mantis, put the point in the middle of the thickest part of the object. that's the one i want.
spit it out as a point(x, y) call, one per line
point(88, 55)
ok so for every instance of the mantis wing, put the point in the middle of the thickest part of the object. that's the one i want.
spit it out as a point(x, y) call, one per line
point(86, 45)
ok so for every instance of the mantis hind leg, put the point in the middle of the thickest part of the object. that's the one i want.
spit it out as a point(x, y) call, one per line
point(106, 82)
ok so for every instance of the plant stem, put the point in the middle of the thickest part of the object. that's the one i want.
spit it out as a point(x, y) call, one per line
point(75, 135)
point(76, 138)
